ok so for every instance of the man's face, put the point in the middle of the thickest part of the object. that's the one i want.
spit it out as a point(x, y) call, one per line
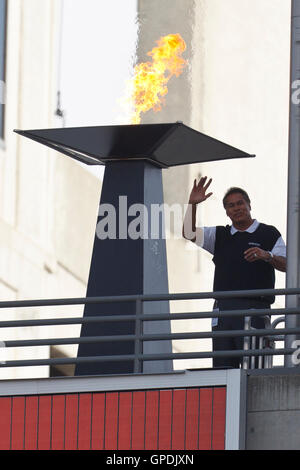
point(237, 209)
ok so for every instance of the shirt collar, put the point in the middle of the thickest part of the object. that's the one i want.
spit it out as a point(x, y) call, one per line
point(250, 229)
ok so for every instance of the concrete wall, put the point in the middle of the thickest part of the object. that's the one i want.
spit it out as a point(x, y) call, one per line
point(48, 203)
point(244, 100)
point(156, 19)
point(235, 89)
point(273, 411)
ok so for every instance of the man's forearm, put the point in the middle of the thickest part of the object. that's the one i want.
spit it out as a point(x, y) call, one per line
point(189, 223)
point(197, 195)
point(279, 262)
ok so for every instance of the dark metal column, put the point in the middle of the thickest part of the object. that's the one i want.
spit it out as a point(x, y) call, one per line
point(125, 266)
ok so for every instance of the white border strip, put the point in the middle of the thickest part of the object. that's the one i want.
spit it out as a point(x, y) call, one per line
point(235, 409)
point(106, 383)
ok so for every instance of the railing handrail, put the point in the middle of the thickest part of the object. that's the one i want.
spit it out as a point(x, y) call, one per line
point(146, 317)
point(150, 297)
point(150, 337)
point(146, 357)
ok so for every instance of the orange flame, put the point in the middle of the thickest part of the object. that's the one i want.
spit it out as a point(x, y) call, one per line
point(148, 87)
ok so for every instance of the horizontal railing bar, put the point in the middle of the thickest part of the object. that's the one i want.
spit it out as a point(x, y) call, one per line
point(150, 337)
point(146, 357)
point(271, 332)
point(152, 297)
point(146, 317)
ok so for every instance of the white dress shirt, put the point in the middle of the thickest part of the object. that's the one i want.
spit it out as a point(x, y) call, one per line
point(206, 238)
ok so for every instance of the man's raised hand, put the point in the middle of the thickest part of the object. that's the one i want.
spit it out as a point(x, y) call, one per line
point(198, 193)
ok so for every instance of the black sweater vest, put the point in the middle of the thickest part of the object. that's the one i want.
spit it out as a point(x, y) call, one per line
point(232, 271)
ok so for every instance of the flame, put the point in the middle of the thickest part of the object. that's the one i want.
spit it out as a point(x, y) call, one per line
point(148, 87)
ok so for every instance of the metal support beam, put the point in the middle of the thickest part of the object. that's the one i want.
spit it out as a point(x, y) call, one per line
point(293, 219)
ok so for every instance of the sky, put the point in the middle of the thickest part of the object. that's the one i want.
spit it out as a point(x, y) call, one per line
point(95, 62)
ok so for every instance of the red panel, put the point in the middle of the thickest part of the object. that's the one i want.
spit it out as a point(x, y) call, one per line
point(58, 422)
point(5, 421)
point(219, 414)
point(85, 421)
point(151, 432)
point(192, 419)
point(31, 422)
point(17, 425)
point(44, 424)
point(138, 420)
point(205, 419)
point(71, 424)
point(125, 416)
point(111, 420)
point(178, 419)
point(165, 419)
point(98, 403)
point(159, 419)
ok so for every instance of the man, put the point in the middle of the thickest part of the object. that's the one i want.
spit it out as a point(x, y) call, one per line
point(246, 255)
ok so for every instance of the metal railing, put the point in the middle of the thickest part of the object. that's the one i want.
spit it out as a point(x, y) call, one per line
point(266, 337)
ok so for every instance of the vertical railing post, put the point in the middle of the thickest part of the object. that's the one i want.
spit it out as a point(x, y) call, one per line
point(246, 343)
point(253, 346)
point(260, 347)
point(138, 343)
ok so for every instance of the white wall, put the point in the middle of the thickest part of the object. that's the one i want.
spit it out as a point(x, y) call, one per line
point(243, 99)
point(236, 89)
point(36, 188)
